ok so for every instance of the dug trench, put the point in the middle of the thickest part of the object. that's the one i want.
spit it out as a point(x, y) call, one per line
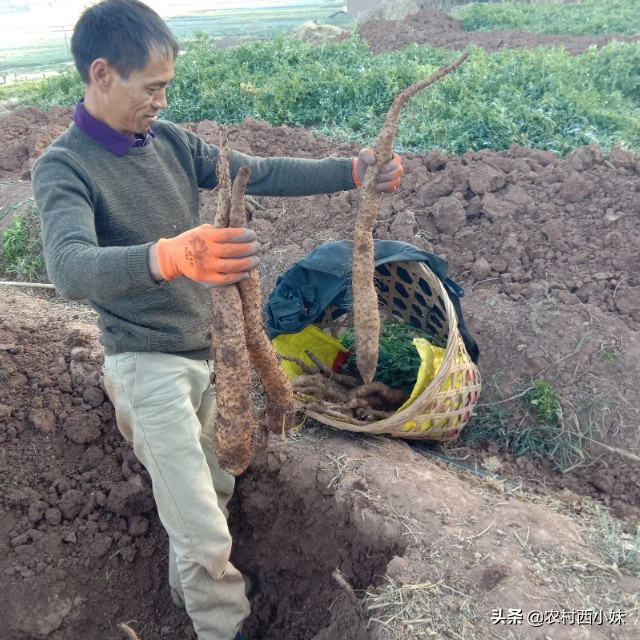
point(84, 545)
point(85, 548)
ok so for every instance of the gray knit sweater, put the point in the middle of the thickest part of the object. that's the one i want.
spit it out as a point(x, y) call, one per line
point(100, 213)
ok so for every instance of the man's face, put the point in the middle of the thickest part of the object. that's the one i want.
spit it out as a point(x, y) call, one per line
point(133, 104)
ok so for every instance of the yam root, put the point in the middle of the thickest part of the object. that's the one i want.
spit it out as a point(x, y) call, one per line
point(305, 368)
point(369, 414)
point(346, 380)
point(338, 395)
point(331, 410)
point(395, 396)
point(234, 424)
point(223, 173)
point(340, 413)
point(128, 631)
point(280, 412)
point(365, 299)
point(320, 387)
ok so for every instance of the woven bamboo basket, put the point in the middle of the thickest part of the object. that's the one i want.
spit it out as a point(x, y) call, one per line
point(412, 293)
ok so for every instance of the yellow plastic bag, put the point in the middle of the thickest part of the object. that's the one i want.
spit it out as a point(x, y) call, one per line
point(430, 360)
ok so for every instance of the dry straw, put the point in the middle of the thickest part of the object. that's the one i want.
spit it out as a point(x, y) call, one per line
point(410, 292)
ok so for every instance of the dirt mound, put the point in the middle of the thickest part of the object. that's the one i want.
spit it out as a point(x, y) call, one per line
point(439, 29)
point(25, 134)
point(398, 9)
point(314, 33)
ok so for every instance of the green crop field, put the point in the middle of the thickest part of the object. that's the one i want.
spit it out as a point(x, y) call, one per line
point(30, 58)
point(34, 50)
point(587, 17)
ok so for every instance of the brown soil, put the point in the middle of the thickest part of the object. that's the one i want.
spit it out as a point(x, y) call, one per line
point(439, 29)
point(428, 545)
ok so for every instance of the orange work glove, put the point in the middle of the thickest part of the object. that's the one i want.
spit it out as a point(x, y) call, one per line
point(208, 255)
point(388, 178)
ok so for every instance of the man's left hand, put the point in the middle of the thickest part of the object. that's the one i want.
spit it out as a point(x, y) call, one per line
point(388, 178)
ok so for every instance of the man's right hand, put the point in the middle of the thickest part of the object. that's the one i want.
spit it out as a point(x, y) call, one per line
point(214, 257)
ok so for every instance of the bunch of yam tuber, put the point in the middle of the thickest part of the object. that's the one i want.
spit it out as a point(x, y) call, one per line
point(239, 341)
point(344, 396)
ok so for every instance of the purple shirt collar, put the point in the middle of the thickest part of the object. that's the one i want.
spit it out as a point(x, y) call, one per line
point(118, 143)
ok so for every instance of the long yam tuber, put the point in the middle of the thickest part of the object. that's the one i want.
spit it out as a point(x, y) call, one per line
point(365, 299)
point(239, 340)
point(234, 423)
point(280, 405)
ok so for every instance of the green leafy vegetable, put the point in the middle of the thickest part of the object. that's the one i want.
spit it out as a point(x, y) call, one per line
point(398, 359)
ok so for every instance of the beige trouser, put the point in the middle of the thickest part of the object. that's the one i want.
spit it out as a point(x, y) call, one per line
point(165, 405)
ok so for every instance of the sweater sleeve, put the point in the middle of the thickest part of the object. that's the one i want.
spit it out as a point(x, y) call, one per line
point(281, 176)
point(76, 265)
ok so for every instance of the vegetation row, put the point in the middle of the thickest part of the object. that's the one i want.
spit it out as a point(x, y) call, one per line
point(588, 17)
point(541, 98)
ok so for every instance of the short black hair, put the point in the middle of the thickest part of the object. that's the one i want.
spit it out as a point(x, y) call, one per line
point(123, 32)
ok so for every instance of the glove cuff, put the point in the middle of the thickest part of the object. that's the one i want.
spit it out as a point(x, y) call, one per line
point(165, 263)
point(354, 175)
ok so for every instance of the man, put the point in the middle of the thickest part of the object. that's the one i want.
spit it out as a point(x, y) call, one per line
point(118, 199)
